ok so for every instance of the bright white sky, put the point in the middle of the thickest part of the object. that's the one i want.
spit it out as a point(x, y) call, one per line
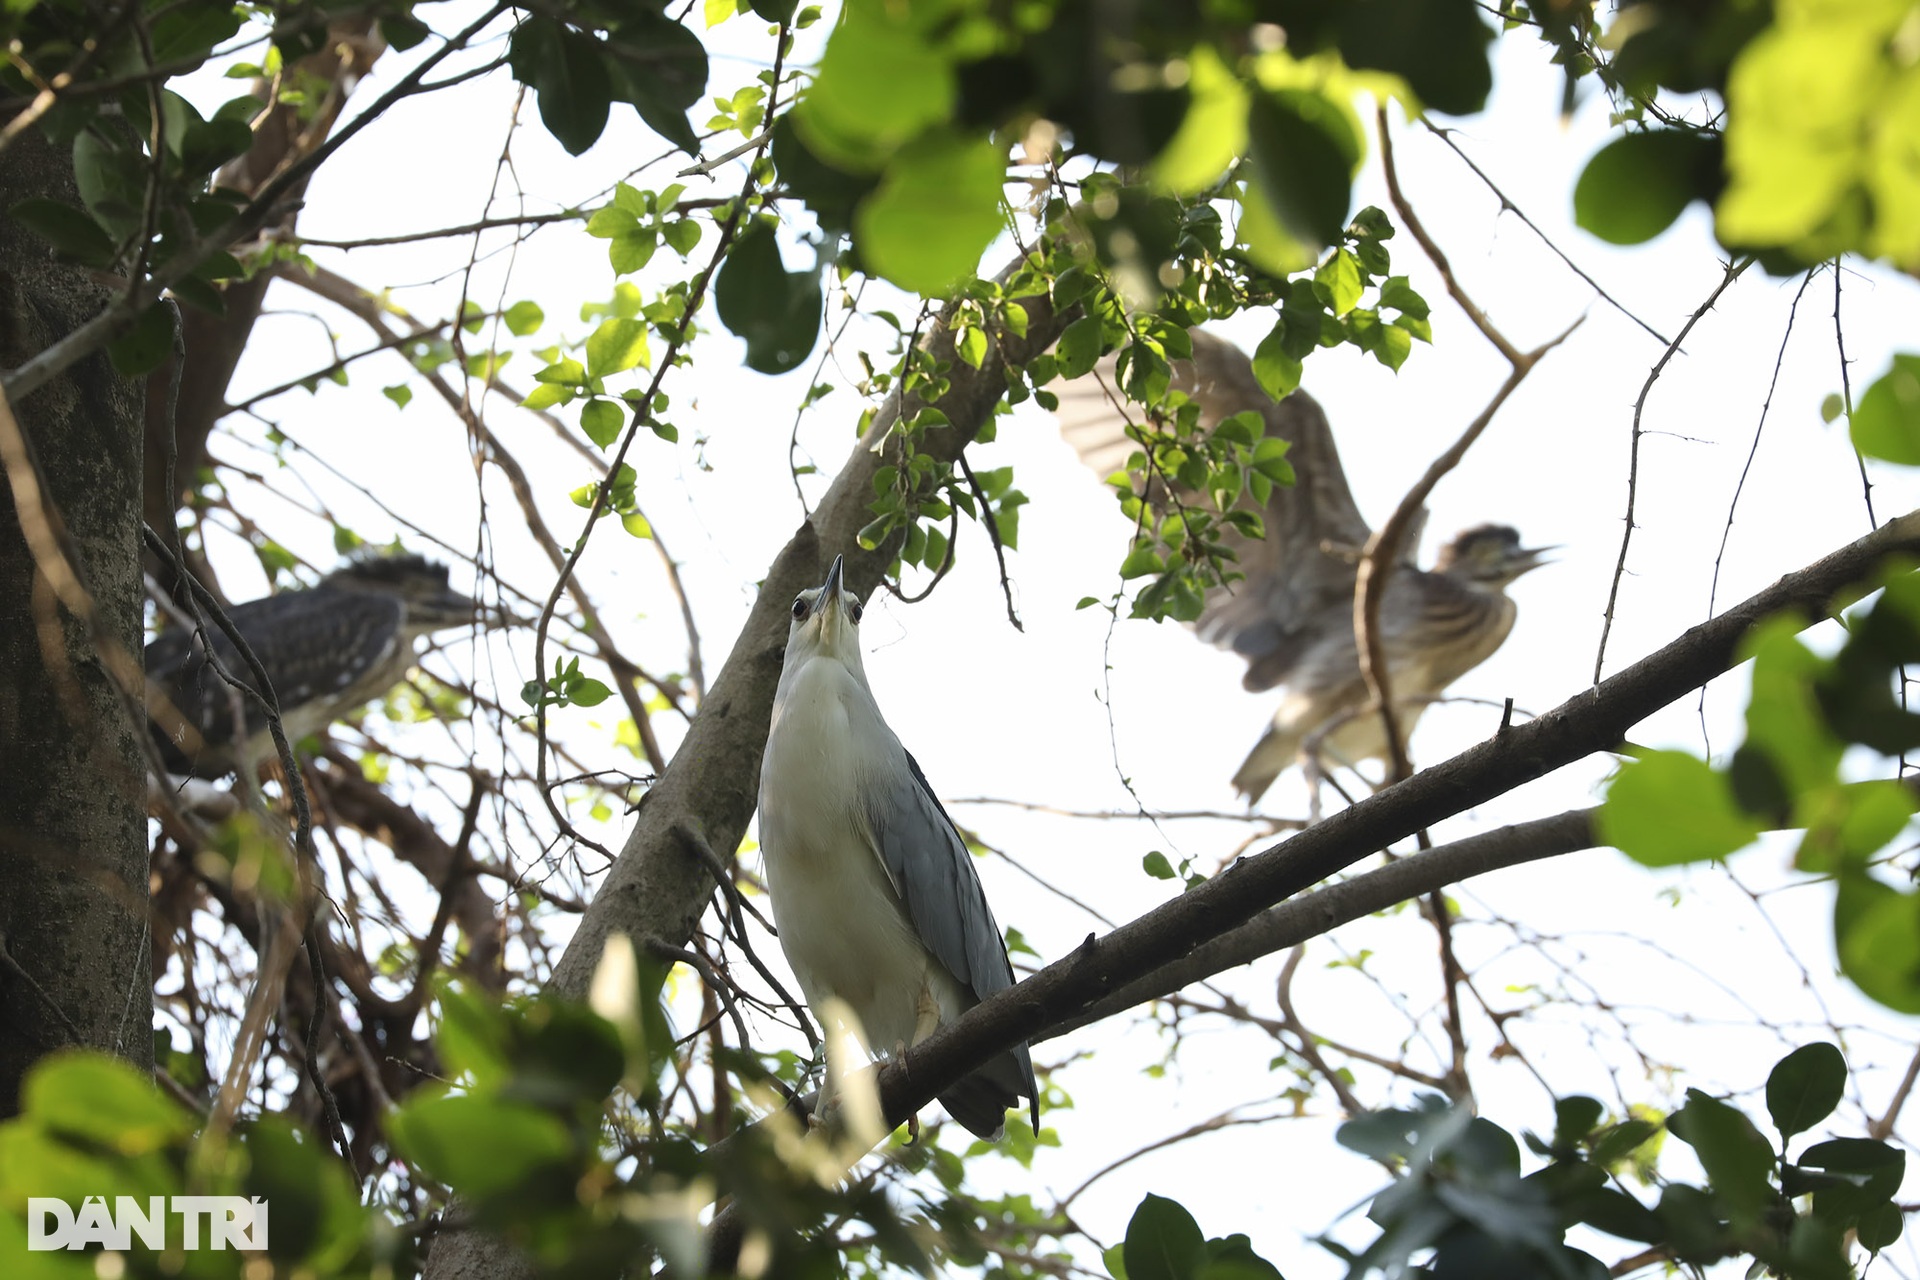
point(992, 712)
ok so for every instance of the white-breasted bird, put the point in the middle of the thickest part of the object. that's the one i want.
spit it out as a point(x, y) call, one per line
point(874, 891)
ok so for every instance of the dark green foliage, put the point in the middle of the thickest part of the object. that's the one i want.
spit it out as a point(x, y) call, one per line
point(1461, 1199)
point(642, 58)
point(1163, 1242)
point(777, 311)
point(1636, 185)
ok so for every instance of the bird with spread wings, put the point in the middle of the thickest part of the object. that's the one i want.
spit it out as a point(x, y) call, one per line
point(1291, 617)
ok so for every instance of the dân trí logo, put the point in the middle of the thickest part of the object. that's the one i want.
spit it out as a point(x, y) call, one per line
point(232, 1222)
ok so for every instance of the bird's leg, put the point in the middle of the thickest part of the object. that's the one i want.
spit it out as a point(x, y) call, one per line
point(827, 1098)
point(1311, 772)
point(926, 1014)
point(926, 1020)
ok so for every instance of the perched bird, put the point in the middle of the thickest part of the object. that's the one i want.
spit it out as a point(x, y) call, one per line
point(874, 892)
point(1292, 617)
point(326, 650)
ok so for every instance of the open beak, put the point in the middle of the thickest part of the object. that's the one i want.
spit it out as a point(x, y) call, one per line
point(1527, 559)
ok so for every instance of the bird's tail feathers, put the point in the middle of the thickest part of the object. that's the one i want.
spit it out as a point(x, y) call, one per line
point(1272, 756)
point(980, 1102)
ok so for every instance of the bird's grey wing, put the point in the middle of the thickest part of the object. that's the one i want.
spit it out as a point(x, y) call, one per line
point(929, 862)
point(1300, 571)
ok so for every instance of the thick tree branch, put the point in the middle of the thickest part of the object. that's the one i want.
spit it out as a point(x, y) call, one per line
point(1595, 720)
point(1298, 919)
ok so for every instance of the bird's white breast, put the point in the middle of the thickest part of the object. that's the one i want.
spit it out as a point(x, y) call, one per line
point(842, 925)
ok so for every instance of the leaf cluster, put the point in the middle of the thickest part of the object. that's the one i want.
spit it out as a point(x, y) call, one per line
point(1461, 1204)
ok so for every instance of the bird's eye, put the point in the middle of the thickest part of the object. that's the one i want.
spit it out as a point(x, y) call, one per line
point(854, 610)
point(799, 608)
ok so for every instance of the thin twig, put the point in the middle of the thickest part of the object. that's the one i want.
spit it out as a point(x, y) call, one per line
point(1508, 206)
point(1732, 273)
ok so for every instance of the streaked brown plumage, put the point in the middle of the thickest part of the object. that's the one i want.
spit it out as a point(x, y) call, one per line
point(326, 650)
point(1292, 618)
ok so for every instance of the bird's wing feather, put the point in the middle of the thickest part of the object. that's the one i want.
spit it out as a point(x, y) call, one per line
point(1304, 566)
point(930, 865)
point(305, 640)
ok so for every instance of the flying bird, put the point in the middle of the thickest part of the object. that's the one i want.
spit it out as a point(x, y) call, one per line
point(874, 893)
point(327, 650)
point(1292, 616)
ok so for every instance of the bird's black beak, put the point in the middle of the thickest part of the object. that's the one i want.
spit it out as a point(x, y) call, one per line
point(830, 589)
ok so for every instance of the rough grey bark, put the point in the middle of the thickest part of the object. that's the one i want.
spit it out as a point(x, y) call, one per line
point(73, 852)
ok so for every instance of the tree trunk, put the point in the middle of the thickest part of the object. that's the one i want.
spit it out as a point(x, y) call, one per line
point(73, 851)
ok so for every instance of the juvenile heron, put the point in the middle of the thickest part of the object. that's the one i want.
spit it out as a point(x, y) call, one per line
point(326, 650)
point(1292, 618)
point(874, 892)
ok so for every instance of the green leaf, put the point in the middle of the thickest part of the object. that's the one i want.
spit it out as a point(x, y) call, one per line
point(1156, 865)
point(523, 318)
point(1277, 372)
point(1873, 1171)
point(616, 346)
point(402, 31)
point(1270, 459)
point(1738, 1160)
point(568, 71)
point(1438, 46)
point(878, 86)
point(1886, 421)
point(661, 68)
point(972, 345)
point(1212, 133)
point(208, 144)
point(102, 1100)
point(1876, 930)
point(72, 233)
point(401, 394)
point(1163, 1242)
point(480, 1146)
point(188, 33)
point(565, 372)
point(637, 525)
point(776, 311)
point(1340, 276)
point(1269, 244)
point(1142, 562)
point(1079, 347)
point(1305, 152)
point(1804, 1087)
point(632, 250)
point(1667, 808)
point(601, 420)
point(1635, 186)
point(829, 191)
point(1879, 1227)
point(147, 345)
point(584, 691)
point(935, 212)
